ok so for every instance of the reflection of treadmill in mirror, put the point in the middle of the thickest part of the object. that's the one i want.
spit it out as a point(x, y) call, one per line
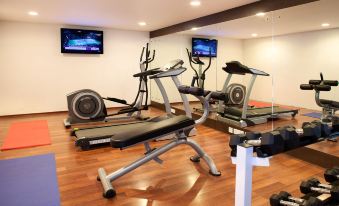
point(243, 115)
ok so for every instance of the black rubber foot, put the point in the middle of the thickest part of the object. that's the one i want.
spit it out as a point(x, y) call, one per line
point(109, 194)
point(195, 159)
point(98, 179)
point(218, 174)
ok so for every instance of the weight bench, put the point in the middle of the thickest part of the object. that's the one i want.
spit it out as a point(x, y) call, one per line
point(161, 126)
point(330, 103)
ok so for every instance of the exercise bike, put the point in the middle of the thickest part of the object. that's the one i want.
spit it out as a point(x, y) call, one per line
point(86, 105)
point(198, 79)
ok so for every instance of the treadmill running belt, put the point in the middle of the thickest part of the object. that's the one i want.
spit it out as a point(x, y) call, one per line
point(257, 112)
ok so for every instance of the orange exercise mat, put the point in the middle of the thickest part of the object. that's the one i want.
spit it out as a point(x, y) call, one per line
point(27, 134)
point(258, 104)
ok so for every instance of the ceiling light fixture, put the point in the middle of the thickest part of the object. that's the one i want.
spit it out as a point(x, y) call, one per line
point(254, 34)
point(195, 3)
point(194, 29)
point(33, 13)
point(142, 23)
point(325, 24)
point(260, 14)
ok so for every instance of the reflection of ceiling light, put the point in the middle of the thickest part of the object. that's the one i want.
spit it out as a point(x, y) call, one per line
point(254, 34)
point(194, 29)
point(195, 3)
point(260, 14)
point(325, 24)
point(33, 13)
point(142, 23)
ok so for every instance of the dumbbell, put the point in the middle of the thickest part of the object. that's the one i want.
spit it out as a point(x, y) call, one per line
point(331, 175)
point(290, 136)
point(326, 129)
point(285, 198)
point(266, 144)
point(293, 138)
point(313, 185)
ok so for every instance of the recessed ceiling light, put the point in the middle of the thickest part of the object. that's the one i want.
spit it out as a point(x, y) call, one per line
point(325, 24)
point(33, 13)
point(142, 23)
point(194, 28)
point(254, 34)
point(195, 3)
point(260, 14)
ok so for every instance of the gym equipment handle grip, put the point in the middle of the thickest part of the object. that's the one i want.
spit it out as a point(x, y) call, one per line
point(325, 82)
point(306, 86)
point(322, 88)
point(331, 82)
point(121, 101)
point(192, 90)
point(220, 96)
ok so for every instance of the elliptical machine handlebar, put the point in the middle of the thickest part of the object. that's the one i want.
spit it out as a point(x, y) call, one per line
point(209, 60)
point(191, 61)
point(199, 77)
point(148, 59)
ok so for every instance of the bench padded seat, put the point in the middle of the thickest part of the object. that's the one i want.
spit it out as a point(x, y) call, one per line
point(330, 103)
point(151, 130)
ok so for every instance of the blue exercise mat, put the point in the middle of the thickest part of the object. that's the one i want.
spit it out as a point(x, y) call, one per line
point(313, 114)
point(29, 181)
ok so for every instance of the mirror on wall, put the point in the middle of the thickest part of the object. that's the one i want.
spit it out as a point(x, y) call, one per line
point(230, 38)
point(305, 44)
point(200, 68)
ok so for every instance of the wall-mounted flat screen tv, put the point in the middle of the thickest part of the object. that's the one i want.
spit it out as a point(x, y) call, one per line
point(201, 47)
point(82, 41)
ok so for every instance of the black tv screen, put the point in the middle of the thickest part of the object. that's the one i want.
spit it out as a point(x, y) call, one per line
point(201, 47)
point(82, 41)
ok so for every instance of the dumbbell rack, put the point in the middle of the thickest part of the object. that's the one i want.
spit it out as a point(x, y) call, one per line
point(244, 162)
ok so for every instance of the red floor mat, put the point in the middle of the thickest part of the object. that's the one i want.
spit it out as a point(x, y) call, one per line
point(259, 104)
point(27, 134)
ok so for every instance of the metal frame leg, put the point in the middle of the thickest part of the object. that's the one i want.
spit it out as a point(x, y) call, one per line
point(202, 154)
point(107, 179)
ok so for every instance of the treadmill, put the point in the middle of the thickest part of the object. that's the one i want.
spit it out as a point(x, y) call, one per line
point(244, 116)
point(86, 138)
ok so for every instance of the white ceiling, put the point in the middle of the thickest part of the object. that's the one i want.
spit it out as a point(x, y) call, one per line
point(121, 14)
point(306, 17)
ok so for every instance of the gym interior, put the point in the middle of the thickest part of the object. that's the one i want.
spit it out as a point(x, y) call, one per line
point(181, 102)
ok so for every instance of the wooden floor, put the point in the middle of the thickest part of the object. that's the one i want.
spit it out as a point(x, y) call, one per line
point(177, 182)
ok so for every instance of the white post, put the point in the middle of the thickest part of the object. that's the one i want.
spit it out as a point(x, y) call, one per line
point(244, 172)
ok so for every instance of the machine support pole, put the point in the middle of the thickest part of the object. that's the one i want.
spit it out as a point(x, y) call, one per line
point(244, 172)
point(247, 97)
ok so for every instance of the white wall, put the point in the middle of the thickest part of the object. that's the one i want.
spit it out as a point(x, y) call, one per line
point(294, 59)
point(174, 47)
point(35, 76)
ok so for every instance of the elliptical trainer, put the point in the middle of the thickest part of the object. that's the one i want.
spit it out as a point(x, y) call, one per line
point(200, 74)
point(86, 105)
